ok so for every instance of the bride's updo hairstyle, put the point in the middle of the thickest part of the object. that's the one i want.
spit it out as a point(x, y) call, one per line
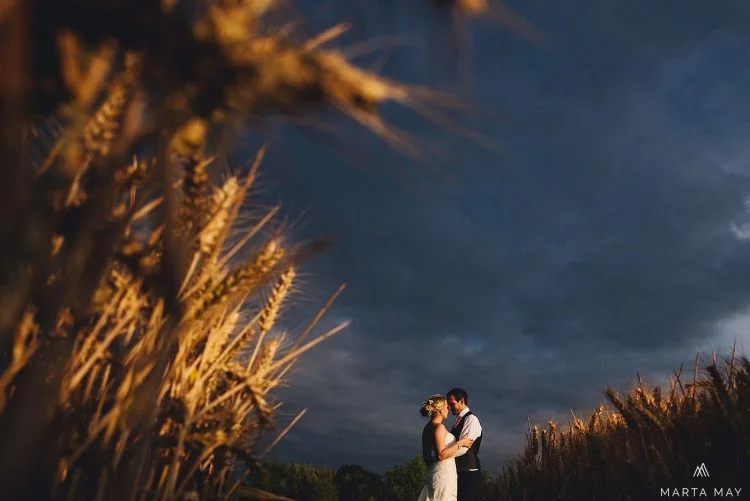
point(433, 405)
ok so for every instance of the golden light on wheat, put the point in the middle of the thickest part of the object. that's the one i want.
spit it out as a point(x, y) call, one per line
point(641, 442)
point(213, 400)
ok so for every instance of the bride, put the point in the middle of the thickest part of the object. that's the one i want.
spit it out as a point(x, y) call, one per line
point(438, 450)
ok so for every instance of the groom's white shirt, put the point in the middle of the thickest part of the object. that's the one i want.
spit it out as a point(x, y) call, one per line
point(472, 429)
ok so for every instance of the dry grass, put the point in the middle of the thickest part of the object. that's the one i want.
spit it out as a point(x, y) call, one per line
point(643, 442)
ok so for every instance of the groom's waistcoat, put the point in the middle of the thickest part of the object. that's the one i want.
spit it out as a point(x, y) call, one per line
point(470, 460)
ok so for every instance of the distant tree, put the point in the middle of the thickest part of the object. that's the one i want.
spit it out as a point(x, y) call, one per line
point(355, 483)
point(303, 482)
point(489, 486)
point(405, 481)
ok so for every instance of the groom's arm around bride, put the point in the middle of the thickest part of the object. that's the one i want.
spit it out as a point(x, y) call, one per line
point(467, 458)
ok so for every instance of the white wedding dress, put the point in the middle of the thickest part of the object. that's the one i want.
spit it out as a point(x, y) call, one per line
point(442, 478)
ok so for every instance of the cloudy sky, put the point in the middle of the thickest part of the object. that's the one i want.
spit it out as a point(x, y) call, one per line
point(607, 235)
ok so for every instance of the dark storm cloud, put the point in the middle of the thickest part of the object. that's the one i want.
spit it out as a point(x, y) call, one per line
point(598, 243)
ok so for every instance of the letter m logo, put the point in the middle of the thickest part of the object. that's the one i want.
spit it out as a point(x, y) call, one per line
point(701, 471)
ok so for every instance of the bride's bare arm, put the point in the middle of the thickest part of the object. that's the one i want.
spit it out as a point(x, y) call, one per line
point(446, 452)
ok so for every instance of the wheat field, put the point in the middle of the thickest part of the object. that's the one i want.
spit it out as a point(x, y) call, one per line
point(641, 442)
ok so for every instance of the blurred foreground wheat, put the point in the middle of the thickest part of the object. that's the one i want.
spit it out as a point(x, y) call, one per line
point(135, 413)
point(138, 341)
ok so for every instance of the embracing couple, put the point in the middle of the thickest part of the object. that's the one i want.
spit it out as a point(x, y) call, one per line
point(452, 457)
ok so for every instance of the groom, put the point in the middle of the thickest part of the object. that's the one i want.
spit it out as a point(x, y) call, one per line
point(467, 459)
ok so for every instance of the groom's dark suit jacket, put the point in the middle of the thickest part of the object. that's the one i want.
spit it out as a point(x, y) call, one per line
point(470, 460)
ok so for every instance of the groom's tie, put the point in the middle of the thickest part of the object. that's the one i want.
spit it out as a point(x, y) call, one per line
point(458, 418)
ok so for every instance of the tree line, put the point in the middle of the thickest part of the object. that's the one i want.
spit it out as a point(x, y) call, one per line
point(350, 482)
